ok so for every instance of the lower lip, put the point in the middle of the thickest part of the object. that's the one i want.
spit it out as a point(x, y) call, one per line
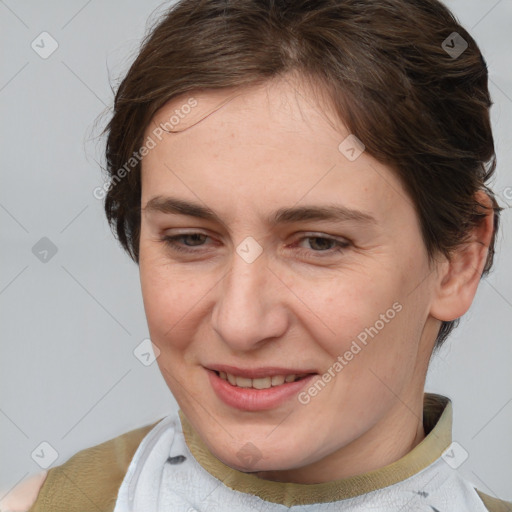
point(250, 399)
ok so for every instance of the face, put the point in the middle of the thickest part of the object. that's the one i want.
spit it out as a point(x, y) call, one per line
point(268, 250)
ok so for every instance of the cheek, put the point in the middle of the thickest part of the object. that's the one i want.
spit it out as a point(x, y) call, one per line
point(371, 320)
point(342, 307)
point(172, 300)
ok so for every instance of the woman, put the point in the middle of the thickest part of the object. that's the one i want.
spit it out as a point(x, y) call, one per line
point(303, 187)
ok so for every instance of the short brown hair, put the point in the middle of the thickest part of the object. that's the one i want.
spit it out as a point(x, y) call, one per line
point(416, 107)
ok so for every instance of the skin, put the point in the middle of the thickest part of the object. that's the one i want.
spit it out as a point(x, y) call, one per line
point(274, 146)
point(301, 303)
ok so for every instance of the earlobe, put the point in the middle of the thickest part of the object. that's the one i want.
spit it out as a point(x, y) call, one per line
point(461, 273)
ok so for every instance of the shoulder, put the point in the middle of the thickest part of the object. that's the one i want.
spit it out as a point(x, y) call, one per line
point(97, 471)
point(24, 494)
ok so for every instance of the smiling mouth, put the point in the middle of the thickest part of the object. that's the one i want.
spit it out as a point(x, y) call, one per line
point(262, 382)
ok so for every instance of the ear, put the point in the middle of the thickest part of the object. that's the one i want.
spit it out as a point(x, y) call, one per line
point(458, 276)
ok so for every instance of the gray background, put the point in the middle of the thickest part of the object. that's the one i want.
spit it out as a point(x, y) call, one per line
point(70, 325)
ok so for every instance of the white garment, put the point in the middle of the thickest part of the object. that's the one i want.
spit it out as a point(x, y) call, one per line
point(153, 483)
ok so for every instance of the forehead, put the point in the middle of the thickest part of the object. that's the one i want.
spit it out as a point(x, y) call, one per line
point(283, 105)
point(278, 141)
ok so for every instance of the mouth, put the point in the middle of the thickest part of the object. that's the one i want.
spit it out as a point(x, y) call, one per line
point(257, 389)
point(261, 382)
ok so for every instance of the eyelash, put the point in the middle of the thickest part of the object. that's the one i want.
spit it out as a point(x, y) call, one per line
point(171, 243)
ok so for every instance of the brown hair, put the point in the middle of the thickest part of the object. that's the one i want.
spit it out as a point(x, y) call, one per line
point(416, 107)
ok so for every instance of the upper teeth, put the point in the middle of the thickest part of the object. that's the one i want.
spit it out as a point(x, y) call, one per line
point(262, 383)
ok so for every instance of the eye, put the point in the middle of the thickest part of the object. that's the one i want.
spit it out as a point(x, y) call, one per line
point(173, 243)
point(319, 245)
point(322, 244)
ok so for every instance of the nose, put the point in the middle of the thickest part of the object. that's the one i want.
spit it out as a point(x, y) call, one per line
point(250, 309)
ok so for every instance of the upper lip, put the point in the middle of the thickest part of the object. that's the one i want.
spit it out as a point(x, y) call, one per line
point(260, 372)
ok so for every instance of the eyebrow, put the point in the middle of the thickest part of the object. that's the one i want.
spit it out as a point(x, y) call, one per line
point(329, 212)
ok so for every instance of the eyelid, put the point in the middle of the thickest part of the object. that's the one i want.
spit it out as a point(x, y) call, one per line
point(341, 244)
point(170, 241)
point(317, 234)
point(302, 234)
